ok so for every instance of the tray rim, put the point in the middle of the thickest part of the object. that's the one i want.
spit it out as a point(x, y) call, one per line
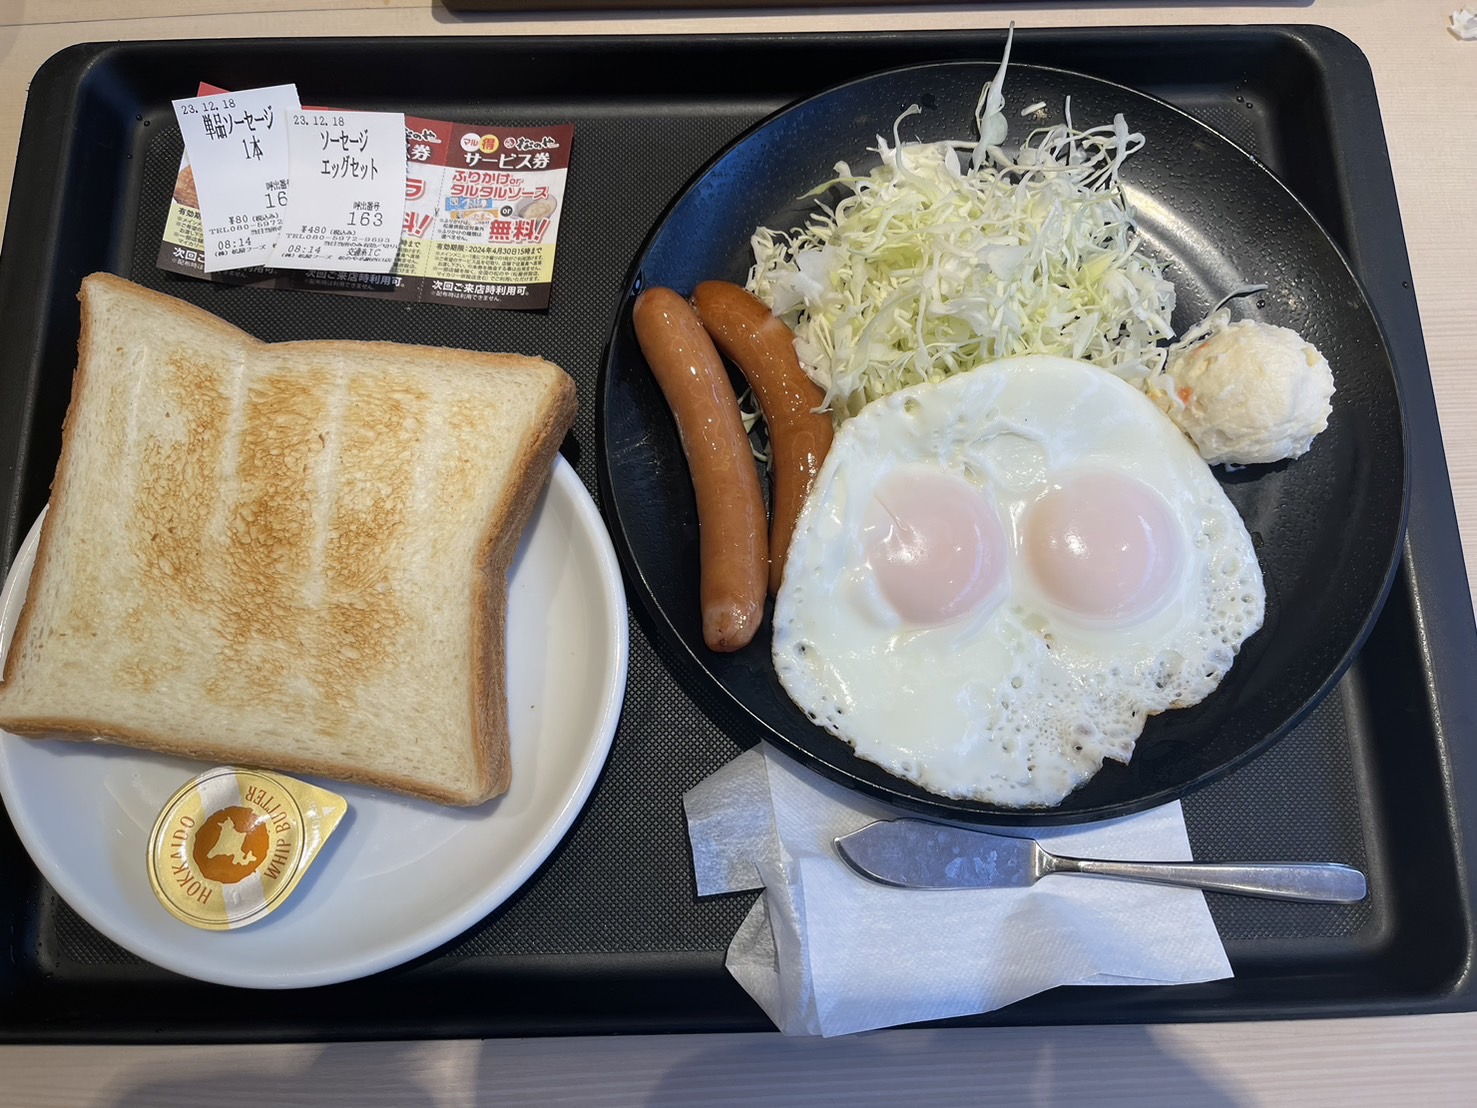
point(1432, 567)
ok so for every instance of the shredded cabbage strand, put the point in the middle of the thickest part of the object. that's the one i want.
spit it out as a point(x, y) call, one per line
point(930, 267)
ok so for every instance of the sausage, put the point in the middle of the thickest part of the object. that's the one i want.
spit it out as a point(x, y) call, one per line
point(764, 350)
point(732, 545)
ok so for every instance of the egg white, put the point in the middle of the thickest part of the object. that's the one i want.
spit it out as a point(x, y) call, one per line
point(1020, 702)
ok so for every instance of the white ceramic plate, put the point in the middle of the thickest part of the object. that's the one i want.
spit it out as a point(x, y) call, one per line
point(399, 877)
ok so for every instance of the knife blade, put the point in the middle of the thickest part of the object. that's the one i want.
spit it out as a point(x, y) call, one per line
point(919, 854)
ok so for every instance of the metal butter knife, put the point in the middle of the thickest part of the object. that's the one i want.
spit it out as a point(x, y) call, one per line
point(917, 854)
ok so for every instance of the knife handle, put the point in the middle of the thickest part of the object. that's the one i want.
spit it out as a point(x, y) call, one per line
point(1324, 882)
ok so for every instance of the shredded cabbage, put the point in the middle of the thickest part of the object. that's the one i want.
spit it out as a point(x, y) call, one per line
point(931, 267)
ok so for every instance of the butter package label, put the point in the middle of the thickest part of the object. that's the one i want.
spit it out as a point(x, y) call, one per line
point(231, 846)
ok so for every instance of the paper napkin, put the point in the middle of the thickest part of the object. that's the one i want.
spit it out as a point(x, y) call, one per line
point(826, 952)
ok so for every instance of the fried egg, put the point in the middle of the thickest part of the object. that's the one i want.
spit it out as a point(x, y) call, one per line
point(998, 577)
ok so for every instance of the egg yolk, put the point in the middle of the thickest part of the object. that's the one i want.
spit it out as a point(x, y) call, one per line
point(1103, 546)
point(935, 546)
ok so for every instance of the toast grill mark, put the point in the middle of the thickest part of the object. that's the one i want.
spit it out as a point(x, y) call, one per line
point(269, 534)
point(468, 426)
point(280, 543)
point(379, 442)
point(176, 476)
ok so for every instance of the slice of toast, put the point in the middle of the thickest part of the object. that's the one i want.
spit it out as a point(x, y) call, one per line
point(288, 555)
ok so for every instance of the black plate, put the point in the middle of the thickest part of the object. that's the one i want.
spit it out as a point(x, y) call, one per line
point(1327, 527)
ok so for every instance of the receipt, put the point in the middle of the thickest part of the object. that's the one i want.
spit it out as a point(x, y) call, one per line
point(348, 192)
point(457, 213)
point(237, 144)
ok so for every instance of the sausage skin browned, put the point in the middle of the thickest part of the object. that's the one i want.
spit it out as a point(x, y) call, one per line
point(764, 350)
point(732, 544)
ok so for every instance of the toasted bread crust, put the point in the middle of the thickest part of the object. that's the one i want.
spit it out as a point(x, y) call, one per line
point(499, 546)
point(500, 534)
point(83, 731)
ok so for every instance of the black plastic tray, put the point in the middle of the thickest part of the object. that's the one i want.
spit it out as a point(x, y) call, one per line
point(609, 935)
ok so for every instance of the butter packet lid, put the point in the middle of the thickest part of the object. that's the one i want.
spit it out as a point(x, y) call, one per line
point(232, 844)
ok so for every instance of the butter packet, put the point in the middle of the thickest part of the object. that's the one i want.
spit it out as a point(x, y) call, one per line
point(231, 846)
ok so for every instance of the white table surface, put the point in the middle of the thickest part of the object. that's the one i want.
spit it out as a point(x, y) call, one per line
point(1427, 84)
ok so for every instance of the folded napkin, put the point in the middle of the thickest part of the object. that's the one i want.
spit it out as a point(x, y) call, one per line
point(826, 952)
